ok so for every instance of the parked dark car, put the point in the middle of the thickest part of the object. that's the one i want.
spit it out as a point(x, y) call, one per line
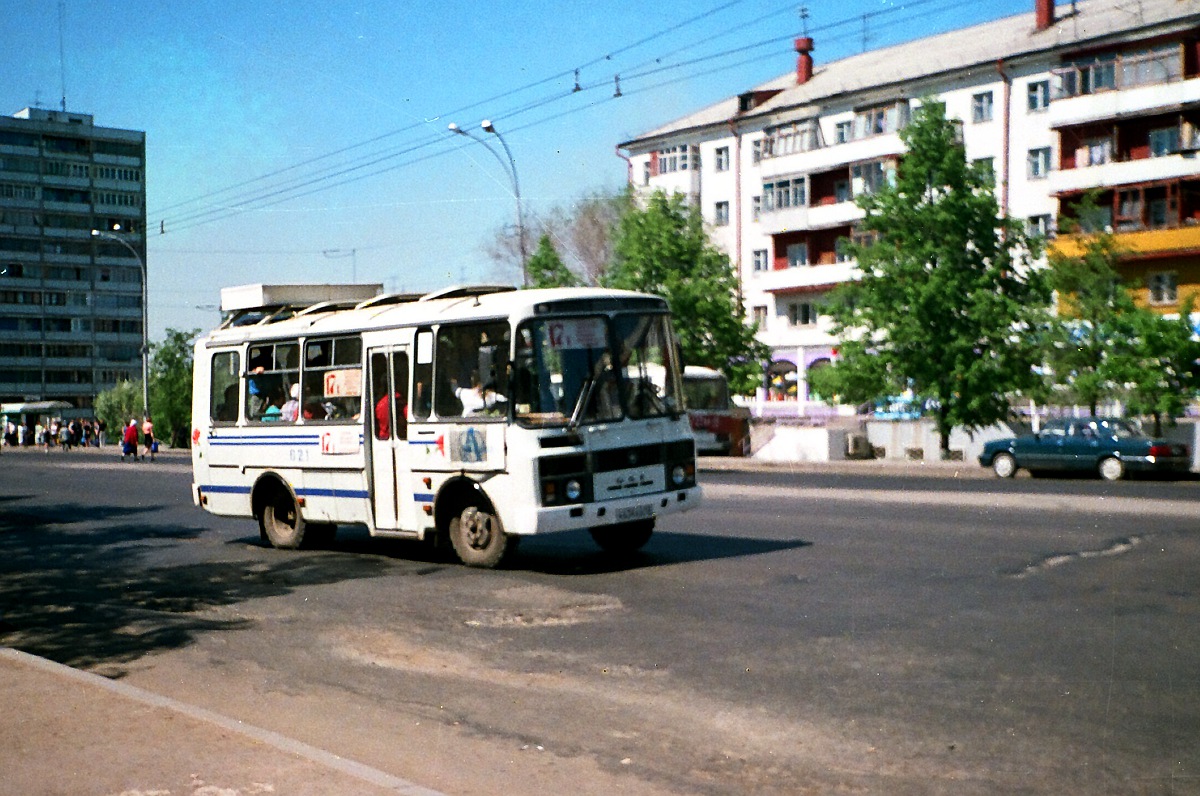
point(1109, 446)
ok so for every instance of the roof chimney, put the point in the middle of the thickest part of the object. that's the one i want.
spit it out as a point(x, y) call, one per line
point(804, 61)
point(1044, 13)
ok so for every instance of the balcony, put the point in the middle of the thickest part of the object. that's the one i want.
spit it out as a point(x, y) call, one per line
point(834, 155)
point(1144, 243)
point(802, 279)
point(1129, 172)
point(1123, 103)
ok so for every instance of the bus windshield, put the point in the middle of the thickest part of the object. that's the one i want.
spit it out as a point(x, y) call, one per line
point(595, 369)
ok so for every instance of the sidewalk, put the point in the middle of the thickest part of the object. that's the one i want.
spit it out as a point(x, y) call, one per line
point(65, 731)
point(901, 467)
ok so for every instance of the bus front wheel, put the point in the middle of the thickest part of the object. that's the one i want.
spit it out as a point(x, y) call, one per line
point(280, 521)
point(478, 538)
point(623, 538)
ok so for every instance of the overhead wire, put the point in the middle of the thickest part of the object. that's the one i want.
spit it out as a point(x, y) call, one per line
point(340, 173)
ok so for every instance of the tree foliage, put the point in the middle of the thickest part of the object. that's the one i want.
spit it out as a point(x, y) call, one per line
point(171, 386)
point(117, 406)
point(663, 249)
point(170, 392)
point(1161, 373)
point(948, 304)
point(546, 268)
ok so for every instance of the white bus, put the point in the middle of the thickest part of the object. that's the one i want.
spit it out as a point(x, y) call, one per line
point(475, 415)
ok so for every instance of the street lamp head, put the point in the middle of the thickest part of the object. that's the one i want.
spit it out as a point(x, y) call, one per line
point(487, 126)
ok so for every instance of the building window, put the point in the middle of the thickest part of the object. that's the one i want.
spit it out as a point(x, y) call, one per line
point(1039, 225)
point(759, 316)
point(880, 120)
point(841, 191)
point(843, 132)
point(802, 313)
point(1094, 152)
point(981, 107)
point(1164, 142)
point(721, 214)
point(1158, 213)
point(762, 261)
point(987, 167)
point(675, 158)
point(797, 254)
point(646, 173)
point(841, 251)
point(782, 194)
point(868, 177)
point(756, 151)
point(1163, 288)
point(1038, 96)
point(721, 161)
point(755, 208)
point(1039, 163)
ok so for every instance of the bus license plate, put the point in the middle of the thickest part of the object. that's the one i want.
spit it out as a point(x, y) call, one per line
point(643, 512)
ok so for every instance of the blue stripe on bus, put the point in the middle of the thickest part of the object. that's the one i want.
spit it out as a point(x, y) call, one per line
point(335, 493)
point(420, 497)
point(232, 490)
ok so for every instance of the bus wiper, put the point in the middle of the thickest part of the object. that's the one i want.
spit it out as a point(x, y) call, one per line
point(585, 397)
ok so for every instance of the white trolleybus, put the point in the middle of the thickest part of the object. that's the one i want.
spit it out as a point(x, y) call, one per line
point(475, 415)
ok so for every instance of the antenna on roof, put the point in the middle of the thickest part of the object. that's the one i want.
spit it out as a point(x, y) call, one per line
point(804, 20)
point(62, 57)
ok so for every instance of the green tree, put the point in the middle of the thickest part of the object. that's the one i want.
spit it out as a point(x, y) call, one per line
point(1090, 343)
point(663, 249)
point(171, 386)
point(948, 303)
point(1162, 369)
point(117, 406)
point(546, 268)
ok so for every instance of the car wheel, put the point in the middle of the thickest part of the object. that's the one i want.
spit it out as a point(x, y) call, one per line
point(280, 522)
point(1112, 469)
point(478, 538)
point(1004, 465)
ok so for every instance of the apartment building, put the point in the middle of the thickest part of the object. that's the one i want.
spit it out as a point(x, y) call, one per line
point(1059, 101)
point(70, 301)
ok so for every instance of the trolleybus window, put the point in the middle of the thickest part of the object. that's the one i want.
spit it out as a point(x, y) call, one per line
point(472, 370)
point(422, 400)
point(272, 370)
point(332, 384)
point(225, 375)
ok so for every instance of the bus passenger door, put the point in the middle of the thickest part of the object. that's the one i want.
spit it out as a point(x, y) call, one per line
point(391, 467)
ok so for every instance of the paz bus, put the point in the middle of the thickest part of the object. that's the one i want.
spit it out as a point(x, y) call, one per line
point(470, 415)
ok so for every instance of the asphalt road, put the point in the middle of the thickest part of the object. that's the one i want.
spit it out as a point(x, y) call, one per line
point(803, 632)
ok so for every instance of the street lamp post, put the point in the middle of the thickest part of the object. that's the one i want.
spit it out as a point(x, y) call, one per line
point(99, 233)
point(510, 168)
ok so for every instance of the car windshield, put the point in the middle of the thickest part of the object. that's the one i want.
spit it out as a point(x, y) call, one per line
point(595, 369)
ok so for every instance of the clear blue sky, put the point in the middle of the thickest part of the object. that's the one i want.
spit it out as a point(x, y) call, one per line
point(298, 91)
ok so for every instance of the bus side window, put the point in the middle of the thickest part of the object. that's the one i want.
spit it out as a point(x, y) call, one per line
point(223, 386)
point(422, 399)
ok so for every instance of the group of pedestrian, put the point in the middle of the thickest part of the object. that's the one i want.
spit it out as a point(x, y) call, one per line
point(129, 440)
point(56, 433)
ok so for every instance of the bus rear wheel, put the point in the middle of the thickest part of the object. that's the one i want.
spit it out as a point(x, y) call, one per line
point(478, 538)
point(623, 538)
point(280, 521)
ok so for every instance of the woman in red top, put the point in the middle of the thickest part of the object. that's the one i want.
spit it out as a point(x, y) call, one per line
point(129, 441)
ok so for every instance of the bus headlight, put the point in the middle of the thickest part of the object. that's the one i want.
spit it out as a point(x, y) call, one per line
point(574, 490)
point(678, 475)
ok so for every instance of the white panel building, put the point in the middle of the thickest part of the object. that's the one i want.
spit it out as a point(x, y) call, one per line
point(1059, 100)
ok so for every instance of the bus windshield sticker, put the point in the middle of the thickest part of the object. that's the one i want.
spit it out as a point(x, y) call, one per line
point(343, 383)
point(576, 333)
